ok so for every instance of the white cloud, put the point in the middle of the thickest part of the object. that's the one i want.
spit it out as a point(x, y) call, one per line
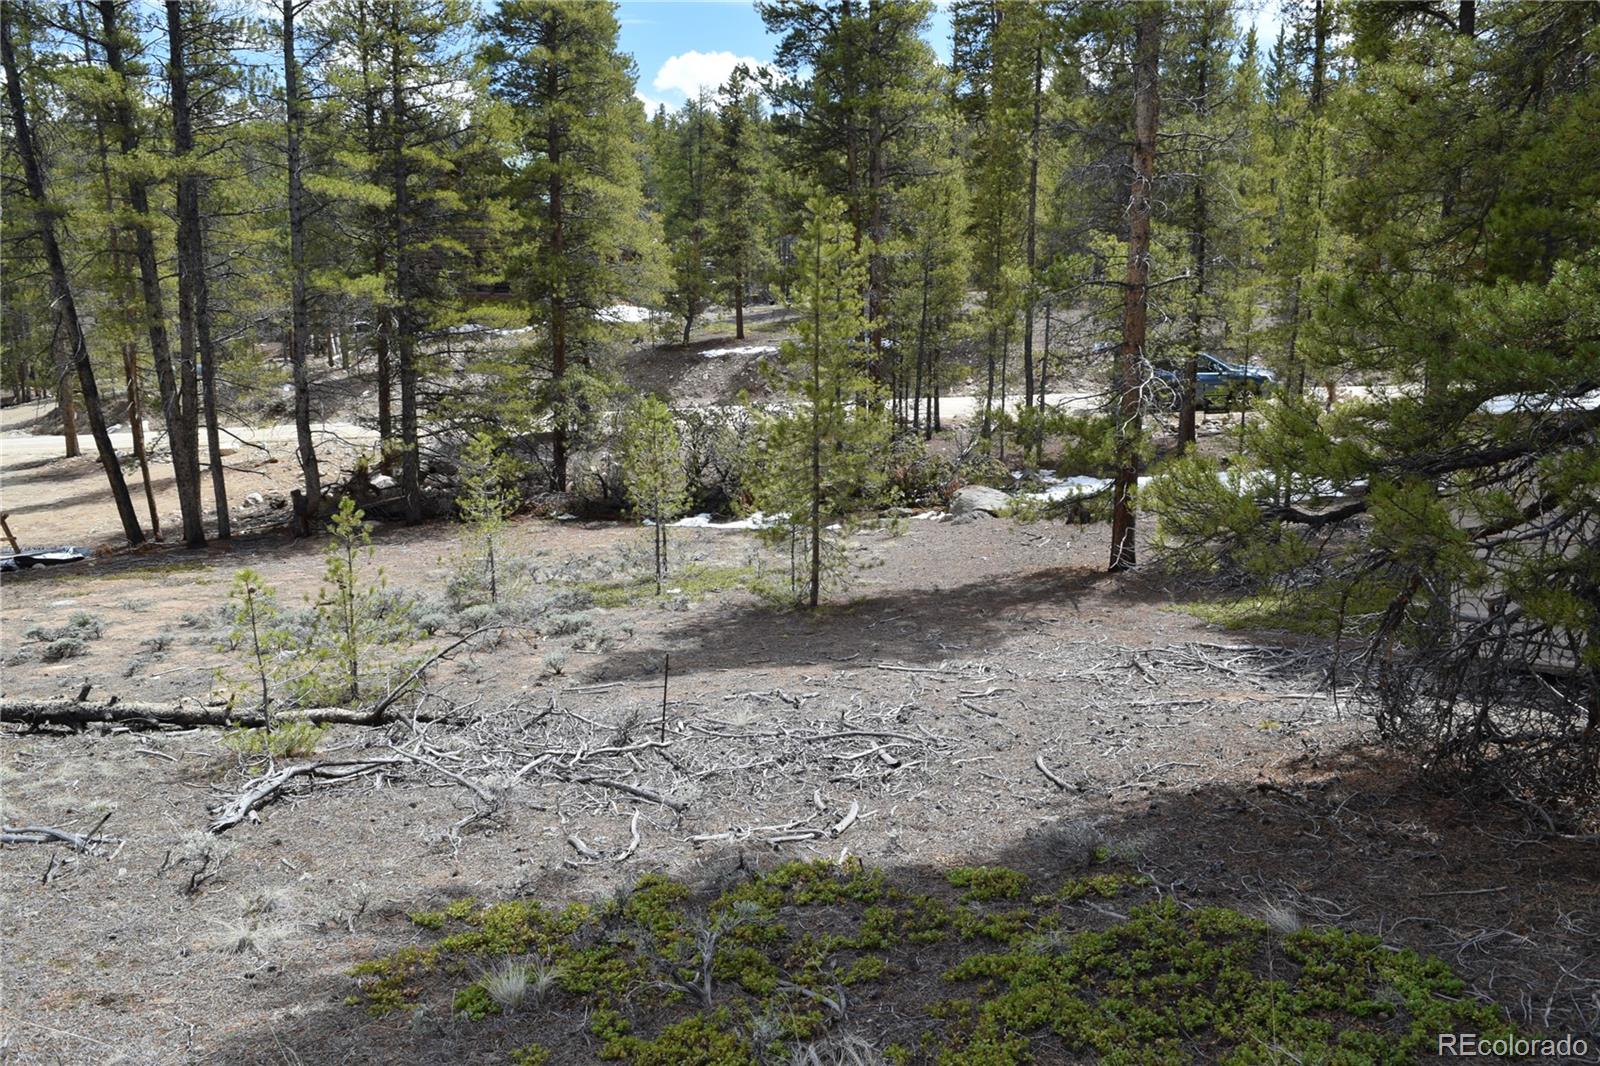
point(692, 71)
point(651, 103)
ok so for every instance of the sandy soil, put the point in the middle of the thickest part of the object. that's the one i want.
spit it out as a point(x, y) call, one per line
point(51, 499)
point(1222, 761)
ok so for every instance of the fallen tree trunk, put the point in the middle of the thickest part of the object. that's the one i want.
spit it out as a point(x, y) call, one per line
point(79, 712)
point(268, 788)
point(71, 712)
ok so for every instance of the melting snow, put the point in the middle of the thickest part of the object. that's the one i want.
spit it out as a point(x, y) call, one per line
point(749, 349)
point(1540, 401)
point(625, 313)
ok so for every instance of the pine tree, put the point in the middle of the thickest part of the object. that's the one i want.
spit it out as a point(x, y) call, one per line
point(653, 471)
point(485, 502)
point(586, 244)
point(825, 456)
point(194, 292)
point(740, 209)
point(1148, 26)
point(858, 91)
point(179, 385)
point(62, 290)
point(684, 144)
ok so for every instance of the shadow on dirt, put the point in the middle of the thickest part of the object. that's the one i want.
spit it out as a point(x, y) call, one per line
point(1348, 841)
point(924, 626)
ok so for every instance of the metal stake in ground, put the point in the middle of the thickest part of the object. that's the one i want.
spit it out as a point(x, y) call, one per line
point(666, 672)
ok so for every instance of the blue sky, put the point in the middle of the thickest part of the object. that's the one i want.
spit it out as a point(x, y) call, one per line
point(681, 45)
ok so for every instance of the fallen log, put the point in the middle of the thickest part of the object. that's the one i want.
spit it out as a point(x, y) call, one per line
point(78, 713)
point(182, 715)
point(266, 789)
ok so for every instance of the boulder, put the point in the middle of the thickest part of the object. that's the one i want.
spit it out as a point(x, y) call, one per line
point(972, 498)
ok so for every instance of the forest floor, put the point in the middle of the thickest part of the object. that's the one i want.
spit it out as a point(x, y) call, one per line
point(966, 656)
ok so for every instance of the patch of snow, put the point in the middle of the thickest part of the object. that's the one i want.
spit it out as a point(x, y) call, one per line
point(703, 521)
point(625, 313)
point(1539, 401)
point(749, 349)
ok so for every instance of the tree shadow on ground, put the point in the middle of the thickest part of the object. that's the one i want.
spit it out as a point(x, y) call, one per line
point(924, 626)
point(1350, 840)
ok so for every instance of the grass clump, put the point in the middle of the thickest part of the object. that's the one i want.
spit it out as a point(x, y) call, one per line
point(693, 581)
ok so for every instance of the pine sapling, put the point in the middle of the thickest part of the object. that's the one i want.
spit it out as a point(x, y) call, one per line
point(653, 469)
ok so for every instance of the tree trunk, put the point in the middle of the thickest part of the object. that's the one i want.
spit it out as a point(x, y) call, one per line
point(180, 398)
point(194, 302)
point(122, 286)
point(130, 369)
point(1033, 210)
point(816, 429)
point(1044, 362)
point(738, 305)
point(33, 172)
point(1135, 293)
point(66, 405)
point(1191, 366)
point(299, 310)
point(558, 310)
point(922, 349)
point(411, 456)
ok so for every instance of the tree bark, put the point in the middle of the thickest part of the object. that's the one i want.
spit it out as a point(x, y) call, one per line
point(738, 305)
point(1135, 293)
point(1191, 366)
point(299, 306)
point(411, 457)
point(194, 301)
point(122, 285)
point(66, 405)
point(180, 398)
point(1033, 229)
point(558, 310)
point(33, 171)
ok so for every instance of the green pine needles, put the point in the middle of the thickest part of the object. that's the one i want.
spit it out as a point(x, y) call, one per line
point(653, 470)
point(486, 499)
point(821, 457)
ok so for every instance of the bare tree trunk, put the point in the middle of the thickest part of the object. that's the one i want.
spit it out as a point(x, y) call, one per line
point(180, 398)
point(123, 288)
point(816, 430)
point(1135, 293)
point(1044, 360)
point(1191, 367)
point(738, 305)
point(33, 171)
point(558, 310)
point(922, 349)
point(194, 302)
point(299, 312)
point(66, 405)
point(130, 369)
point(411, 457)
point(1033, 229)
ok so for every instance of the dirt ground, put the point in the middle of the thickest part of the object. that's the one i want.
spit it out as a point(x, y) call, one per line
point(965, 656)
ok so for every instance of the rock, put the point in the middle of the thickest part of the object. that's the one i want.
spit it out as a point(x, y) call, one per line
point(382, 482)
point(972, 498)
point(255, 499)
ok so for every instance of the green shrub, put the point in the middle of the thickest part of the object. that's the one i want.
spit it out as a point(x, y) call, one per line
point(289, 738)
